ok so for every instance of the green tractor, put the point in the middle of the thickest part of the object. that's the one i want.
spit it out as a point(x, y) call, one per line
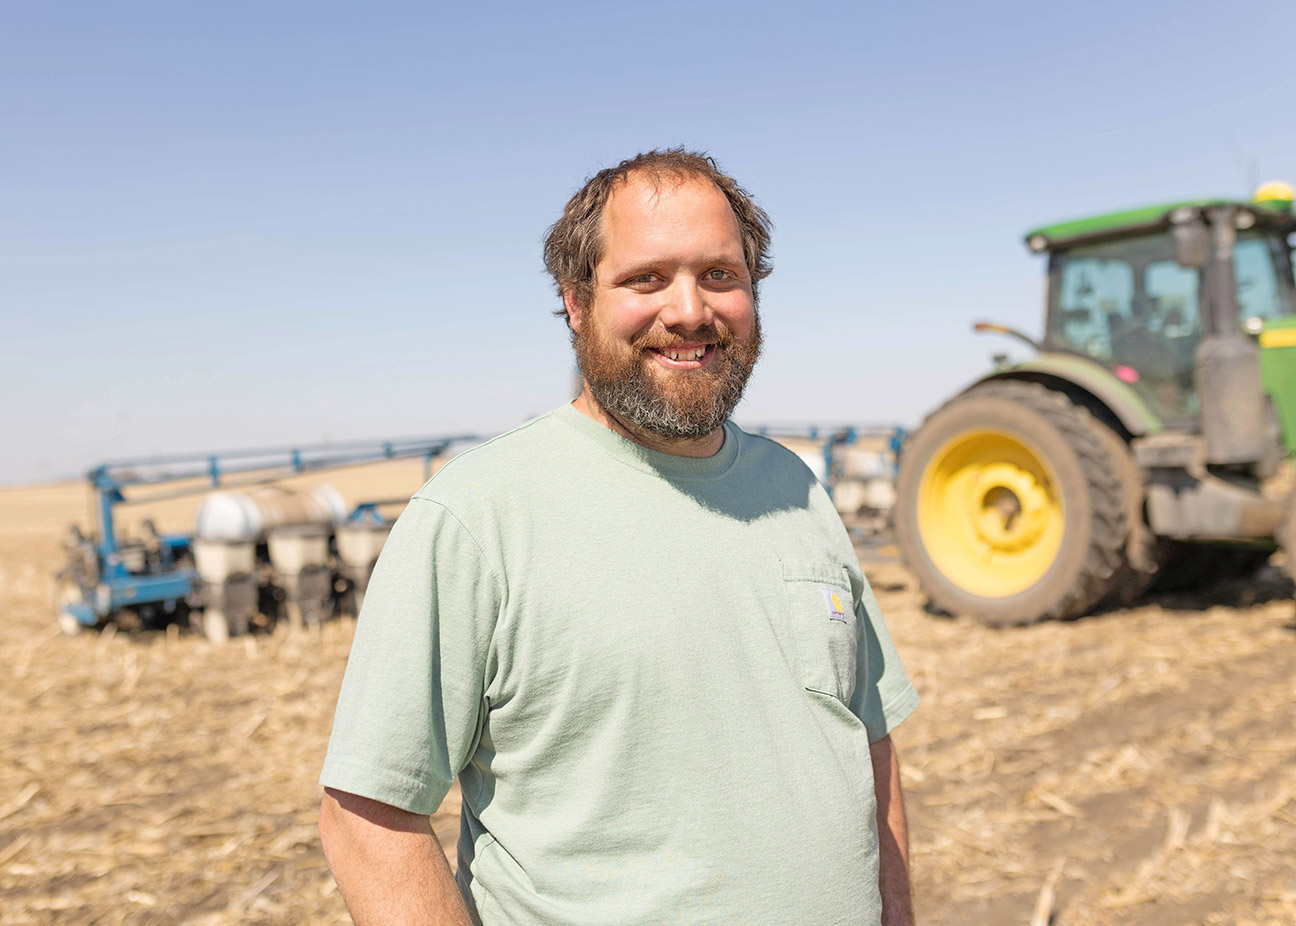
point(1143, 443)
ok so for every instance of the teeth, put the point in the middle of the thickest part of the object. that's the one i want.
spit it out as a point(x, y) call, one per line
point(697, 354)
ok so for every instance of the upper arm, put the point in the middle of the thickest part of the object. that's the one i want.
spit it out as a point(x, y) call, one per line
point(341, 811)
point(884, 758)
point(412, 703)
point(883, 694)
point(388, 863)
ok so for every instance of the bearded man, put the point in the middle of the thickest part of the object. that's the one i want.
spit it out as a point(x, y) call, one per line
point(638, 635)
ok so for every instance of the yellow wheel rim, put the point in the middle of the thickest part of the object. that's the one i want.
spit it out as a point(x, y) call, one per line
point(991, 514)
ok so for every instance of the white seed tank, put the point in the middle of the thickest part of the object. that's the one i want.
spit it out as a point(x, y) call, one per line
point(250, 515)
point(217, 560)
point(295, 547)
point(359, 544)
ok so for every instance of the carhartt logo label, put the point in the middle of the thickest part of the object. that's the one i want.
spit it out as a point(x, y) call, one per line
point(836, 610)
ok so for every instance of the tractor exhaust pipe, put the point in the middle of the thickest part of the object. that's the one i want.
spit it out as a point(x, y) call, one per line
point(1233, 405)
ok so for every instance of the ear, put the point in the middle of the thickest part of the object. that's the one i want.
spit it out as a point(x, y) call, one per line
point(573, 307)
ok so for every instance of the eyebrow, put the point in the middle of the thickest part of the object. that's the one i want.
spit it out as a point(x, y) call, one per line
point(645, 266)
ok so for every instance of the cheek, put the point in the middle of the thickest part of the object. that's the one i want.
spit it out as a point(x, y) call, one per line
point(739, 314)
point(628, 318)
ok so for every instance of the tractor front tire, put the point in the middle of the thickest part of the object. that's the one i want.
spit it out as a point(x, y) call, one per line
point(1009, 506)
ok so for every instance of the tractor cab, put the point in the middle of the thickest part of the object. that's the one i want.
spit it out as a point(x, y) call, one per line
point(1136, 291)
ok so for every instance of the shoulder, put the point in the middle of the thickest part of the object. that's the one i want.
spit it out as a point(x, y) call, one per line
point(505, 465)
point(766, 453)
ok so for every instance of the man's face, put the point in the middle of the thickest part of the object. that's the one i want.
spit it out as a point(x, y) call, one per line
point(671, 334)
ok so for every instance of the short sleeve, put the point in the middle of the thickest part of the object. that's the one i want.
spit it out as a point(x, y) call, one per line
point(883, 694)
point(412, 702)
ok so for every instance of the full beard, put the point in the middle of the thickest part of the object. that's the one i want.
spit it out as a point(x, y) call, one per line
point(674, 405)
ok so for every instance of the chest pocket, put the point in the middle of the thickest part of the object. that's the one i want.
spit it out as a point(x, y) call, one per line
point(822, 612)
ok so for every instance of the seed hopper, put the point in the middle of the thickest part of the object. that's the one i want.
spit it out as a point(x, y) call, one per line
point(259, 553)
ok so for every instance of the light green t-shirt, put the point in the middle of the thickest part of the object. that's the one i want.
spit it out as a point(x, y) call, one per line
point(656, 677)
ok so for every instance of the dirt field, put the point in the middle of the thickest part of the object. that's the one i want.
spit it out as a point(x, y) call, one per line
point(1137, 767)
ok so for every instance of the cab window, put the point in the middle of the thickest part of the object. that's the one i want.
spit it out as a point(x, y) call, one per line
point(1094, 291)
point(1256, 269)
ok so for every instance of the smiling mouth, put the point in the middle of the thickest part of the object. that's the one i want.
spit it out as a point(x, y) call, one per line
point(688, 356)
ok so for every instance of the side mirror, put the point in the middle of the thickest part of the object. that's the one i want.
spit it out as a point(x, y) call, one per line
point(1191, 244)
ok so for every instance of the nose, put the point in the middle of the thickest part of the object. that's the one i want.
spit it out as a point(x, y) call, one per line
point(686, 306)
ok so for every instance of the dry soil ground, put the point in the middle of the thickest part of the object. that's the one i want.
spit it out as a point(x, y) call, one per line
point(1134, 767)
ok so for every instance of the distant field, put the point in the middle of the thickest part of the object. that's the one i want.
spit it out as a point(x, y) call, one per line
point(1142, 762)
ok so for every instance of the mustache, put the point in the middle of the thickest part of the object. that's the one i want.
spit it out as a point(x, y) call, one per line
point(664, 339)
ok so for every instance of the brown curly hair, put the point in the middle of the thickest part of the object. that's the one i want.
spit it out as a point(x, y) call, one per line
point(574, 244)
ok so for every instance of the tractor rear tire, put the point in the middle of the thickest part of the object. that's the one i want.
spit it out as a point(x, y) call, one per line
point(1140, 564)
point(1009, 506)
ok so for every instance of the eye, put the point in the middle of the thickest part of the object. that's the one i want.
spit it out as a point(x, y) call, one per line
point(642, 282)
point(717, 275)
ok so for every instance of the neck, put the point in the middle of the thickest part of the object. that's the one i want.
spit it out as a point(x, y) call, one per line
point(707, 446)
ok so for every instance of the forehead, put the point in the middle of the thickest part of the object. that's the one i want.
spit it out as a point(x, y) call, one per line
point(685, 218)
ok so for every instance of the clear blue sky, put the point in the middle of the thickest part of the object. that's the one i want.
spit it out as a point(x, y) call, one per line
point(239, 224)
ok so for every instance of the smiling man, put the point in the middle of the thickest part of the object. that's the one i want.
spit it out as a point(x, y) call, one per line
point(638, 635)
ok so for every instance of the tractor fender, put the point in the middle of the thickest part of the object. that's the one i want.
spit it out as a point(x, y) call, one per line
point(1093, 385)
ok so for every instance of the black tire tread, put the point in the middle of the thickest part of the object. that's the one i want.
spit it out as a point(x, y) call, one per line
point(1140, 563)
